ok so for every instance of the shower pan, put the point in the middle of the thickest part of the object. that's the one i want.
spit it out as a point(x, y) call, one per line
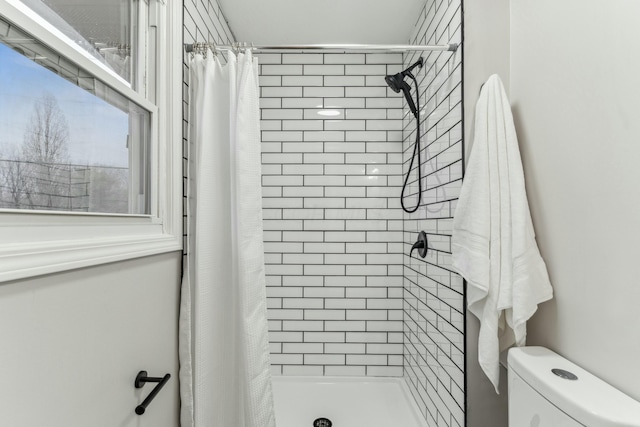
point(353, 402)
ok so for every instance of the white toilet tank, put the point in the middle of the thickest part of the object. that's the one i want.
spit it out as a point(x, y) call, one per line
point(538, 397)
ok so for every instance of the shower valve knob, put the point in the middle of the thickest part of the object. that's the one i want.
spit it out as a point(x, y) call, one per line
point(421, 245)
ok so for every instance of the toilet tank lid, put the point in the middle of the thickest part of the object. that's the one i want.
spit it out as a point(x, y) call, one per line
point(589, 400)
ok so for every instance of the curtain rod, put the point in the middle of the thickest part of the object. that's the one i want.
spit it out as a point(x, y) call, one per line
point(331, 47)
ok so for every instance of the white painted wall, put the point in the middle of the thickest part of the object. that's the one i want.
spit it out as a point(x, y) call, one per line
point(72, 343)
point(486, 52)
point(575, 91)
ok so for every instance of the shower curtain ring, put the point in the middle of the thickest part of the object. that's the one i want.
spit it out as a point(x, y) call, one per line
point(197, 49)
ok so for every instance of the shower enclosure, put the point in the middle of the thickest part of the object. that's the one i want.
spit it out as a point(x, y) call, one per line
point(344, 296)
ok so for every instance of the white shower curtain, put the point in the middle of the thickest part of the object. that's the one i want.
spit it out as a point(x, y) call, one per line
point(225, 376)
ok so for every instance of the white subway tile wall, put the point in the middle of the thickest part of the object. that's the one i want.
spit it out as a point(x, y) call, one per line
point(332, 153)
point(433, 294)
point(203, 21)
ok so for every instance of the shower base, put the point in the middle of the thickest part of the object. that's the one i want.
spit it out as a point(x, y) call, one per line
point(347, 402)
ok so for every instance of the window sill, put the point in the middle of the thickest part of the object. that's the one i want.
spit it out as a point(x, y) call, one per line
point(20, 261)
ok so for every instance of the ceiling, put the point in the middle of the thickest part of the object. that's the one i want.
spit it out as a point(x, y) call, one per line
point(322, 21)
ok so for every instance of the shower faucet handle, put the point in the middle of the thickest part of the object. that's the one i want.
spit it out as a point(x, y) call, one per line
point(421, 245)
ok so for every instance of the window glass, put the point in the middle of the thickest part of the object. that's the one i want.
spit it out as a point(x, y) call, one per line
point(103, 28)
point(68, 142)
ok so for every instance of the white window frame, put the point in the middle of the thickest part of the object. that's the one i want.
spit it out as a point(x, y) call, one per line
point(37, 243)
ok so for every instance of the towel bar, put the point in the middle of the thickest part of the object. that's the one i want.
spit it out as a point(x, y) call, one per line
point(141, 380)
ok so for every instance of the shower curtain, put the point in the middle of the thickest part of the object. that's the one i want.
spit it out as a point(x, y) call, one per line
point(225, 376)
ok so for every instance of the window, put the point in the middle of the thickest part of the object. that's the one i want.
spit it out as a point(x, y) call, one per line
point(89, 132)
point(67, 141)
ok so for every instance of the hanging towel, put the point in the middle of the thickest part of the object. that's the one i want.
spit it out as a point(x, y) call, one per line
point(493, 242)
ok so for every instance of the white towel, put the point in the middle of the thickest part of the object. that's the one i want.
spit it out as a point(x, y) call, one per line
point(493, 243)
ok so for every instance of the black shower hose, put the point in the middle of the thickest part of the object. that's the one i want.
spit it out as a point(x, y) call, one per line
point(416, 149)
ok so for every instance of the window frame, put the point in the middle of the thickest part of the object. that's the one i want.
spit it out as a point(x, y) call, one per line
point(34, 243)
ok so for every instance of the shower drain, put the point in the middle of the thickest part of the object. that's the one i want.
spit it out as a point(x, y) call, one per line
point(322, 422)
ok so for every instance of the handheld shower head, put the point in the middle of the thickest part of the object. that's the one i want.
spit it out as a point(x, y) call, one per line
point(396, 83)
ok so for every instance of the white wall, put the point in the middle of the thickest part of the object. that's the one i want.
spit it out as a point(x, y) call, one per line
point(575, 91)
point(486, 52)
point(72, 343)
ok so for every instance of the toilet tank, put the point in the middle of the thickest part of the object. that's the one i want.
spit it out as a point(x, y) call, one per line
point(571, 397)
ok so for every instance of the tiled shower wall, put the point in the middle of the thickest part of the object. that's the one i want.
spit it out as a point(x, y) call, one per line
point(433, 294)
point(203, 22)
point(332, 153)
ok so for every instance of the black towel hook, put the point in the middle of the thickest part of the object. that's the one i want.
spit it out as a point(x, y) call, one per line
point(141, 380)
